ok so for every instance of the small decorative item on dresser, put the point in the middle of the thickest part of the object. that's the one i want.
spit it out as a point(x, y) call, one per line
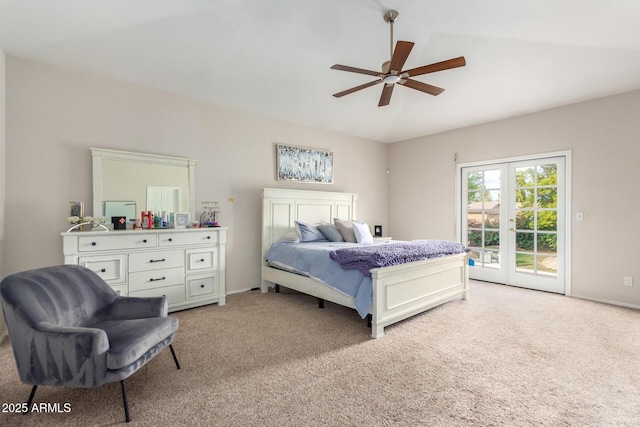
point(76, 218)
point(119, 222)
point(76, 209)
point(180, 220)
point(377, 231)
point(209, 217)
point(85, 223)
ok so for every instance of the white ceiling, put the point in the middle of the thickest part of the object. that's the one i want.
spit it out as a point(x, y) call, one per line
point(272, 57)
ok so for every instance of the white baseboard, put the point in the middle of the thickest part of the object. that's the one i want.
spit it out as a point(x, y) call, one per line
point(604, 301)
point(241, 291)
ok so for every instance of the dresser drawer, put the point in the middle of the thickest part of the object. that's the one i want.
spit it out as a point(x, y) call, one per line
point(189, 238)
point(202, 259)
point(145, 261)
point(111, 268)
point(156, 278)
point(202, 286)
point(174, 294)
point(116, 242)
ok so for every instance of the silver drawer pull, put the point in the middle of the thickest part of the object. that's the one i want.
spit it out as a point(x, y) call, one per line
point(158, 260)
point(156, 280)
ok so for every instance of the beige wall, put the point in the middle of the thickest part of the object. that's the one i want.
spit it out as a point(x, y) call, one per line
point(54, 115)
point(603, 136)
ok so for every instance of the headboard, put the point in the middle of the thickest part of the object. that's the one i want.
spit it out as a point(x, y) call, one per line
point(281, 207)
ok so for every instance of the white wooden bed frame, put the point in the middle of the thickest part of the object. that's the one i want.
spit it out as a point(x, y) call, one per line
point(399, 291)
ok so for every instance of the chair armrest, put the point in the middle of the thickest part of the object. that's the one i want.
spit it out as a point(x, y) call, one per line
point(125, 308)
point(92, 339)
point(49, 354)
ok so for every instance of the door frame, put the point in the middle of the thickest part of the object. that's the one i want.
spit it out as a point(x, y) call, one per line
point(568, 210)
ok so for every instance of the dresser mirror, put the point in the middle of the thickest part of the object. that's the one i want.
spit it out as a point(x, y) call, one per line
point(136, 182)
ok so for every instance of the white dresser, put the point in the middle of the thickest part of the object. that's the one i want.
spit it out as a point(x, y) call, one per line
point(187, 265)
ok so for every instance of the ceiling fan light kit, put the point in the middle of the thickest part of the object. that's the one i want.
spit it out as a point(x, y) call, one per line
point(392, 72)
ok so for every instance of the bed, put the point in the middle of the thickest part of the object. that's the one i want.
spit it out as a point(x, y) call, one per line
point(398, 292)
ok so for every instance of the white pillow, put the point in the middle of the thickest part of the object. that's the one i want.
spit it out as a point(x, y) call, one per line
point(363, 234)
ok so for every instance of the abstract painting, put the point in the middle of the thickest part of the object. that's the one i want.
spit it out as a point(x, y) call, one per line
point(304, 164)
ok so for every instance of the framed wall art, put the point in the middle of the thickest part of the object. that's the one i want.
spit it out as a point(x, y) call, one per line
point(301, 164)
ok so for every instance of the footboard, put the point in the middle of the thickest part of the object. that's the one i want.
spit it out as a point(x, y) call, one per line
point(405, 290)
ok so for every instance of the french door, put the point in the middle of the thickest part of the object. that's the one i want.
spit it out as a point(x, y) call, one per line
point(513, 221)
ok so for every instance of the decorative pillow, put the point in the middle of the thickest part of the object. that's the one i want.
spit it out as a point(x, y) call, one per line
point(363, 234)
point(309, 233)
point(290, 236)
point(331, 232)
point(346, 229)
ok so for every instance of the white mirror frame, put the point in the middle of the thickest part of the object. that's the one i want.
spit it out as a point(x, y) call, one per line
point(101, 154)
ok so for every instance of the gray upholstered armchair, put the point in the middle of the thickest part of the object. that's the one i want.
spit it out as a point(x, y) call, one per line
point(69, 328)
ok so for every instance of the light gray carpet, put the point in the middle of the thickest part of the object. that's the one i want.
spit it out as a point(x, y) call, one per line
point(506, 357)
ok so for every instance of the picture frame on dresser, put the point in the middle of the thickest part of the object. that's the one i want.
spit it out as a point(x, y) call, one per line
point(180, 219)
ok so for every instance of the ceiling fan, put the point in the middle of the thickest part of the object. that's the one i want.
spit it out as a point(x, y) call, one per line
point(392, 72)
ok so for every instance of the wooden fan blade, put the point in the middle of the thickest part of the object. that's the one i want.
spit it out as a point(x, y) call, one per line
point(438, 66)
point(386, 95)
point(400, 55)
point(422, 87)
point(357, 88)
point(357, 70)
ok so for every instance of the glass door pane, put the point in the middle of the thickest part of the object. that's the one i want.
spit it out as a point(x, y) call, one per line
point(536, 204)
point(483, 212)
point(536, 218)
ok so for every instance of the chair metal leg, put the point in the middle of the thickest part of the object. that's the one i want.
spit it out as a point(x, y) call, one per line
point(173, 353)
point(124, 391)
point(33, 393)
point(124, 400)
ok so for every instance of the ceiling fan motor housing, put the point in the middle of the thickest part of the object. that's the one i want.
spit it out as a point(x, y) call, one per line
point(391, 79)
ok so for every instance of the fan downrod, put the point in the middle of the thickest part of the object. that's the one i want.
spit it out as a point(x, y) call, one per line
point(390, 17)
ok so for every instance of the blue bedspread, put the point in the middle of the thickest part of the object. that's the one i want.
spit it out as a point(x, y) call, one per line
point(363, 258)
point(312, 259)
point(319, 260)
